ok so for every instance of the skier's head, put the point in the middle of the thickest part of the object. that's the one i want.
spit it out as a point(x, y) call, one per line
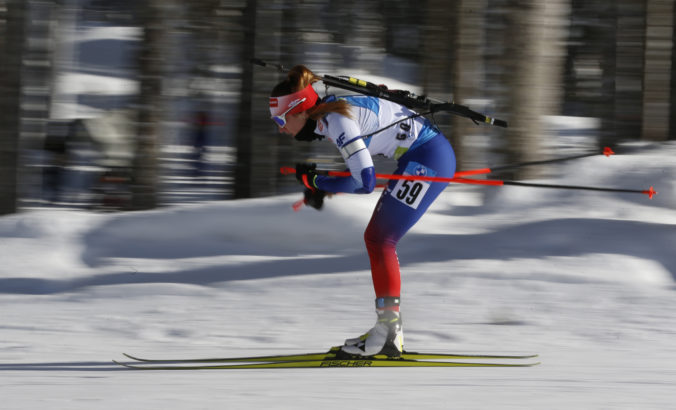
point(291, 99)
point(295, 106)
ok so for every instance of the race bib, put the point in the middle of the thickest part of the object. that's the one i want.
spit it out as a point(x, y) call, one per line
point(411, 193)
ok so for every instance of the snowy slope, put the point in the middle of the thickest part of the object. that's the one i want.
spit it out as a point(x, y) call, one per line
point(585, 279)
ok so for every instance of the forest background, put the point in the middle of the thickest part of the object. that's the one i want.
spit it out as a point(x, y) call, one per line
point(186, 116)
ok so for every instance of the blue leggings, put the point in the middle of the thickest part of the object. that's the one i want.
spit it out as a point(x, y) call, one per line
point(401, 205)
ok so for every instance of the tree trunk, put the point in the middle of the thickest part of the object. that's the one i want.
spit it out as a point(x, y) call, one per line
point(11, 51)
point(534, 59)
point(657, 69)
point(672, 127)
point(629, 40)
point(243, 140)
point(145, 167)
point(468, 80)
point(438, 62)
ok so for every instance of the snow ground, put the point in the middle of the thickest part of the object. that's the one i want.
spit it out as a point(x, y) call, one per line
point(585, 279)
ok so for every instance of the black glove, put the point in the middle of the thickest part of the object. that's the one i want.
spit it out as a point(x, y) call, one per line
point(314, 198)
point(305, 174)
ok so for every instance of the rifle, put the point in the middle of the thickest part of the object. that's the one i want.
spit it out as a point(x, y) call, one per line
point(402, 97)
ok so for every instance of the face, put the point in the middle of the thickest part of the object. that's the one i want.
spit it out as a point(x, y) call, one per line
point(294, 123)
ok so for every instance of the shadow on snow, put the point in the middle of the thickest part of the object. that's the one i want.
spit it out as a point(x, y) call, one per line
point(562, 237)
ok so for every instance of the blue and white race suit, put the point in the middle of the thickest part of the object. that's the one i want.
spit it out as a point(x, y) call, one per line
point(419, 148)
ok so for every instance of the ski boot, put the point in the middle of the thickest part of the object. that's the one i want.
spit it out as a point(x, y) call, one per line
point(385, 338)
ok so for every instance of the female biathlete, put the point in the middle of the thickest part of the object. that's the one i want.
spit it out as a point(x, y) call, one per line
point(362, 126)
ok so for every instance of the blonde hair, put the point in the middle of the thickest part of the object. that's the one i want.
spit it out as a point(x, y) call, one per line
point(300, 77)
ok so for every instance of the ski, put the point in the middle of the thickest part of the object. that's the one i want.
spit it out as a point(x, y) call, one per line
point(327, 363)
point(333, 353)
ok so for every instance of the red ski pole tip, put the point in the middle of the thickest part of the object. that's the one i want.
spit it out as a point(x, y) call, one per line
point(608, 152)
point(297, 205)
point(650, 192)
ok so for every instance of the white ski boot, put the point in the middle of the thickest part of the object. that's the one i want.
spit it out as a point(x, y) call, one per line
point(385, 338)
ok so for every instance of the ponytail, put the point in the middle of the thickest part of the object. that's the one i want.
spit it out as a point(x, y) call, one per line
point(297, 79)
point(339, 106)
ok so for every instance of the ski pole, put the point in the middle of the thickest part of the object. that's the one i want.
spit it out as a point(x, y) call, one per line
point(607, 151)
point(650, 192)
point(490, 182)
point(496, 182)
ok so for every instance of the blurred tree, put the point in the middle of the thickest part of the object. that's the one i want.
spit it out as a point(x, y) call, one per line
point(589, 82)
point(468, 74)
point(205, 24)
point(281, 32)
point(672, 111)
point(12, 38)
point(151, 65)
point(404, 35)
point(603, 66)
point(439, 60)
point(273, 149)
point(244, 135)
point(533, 62)
point(657, 74)
point(626, 72)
